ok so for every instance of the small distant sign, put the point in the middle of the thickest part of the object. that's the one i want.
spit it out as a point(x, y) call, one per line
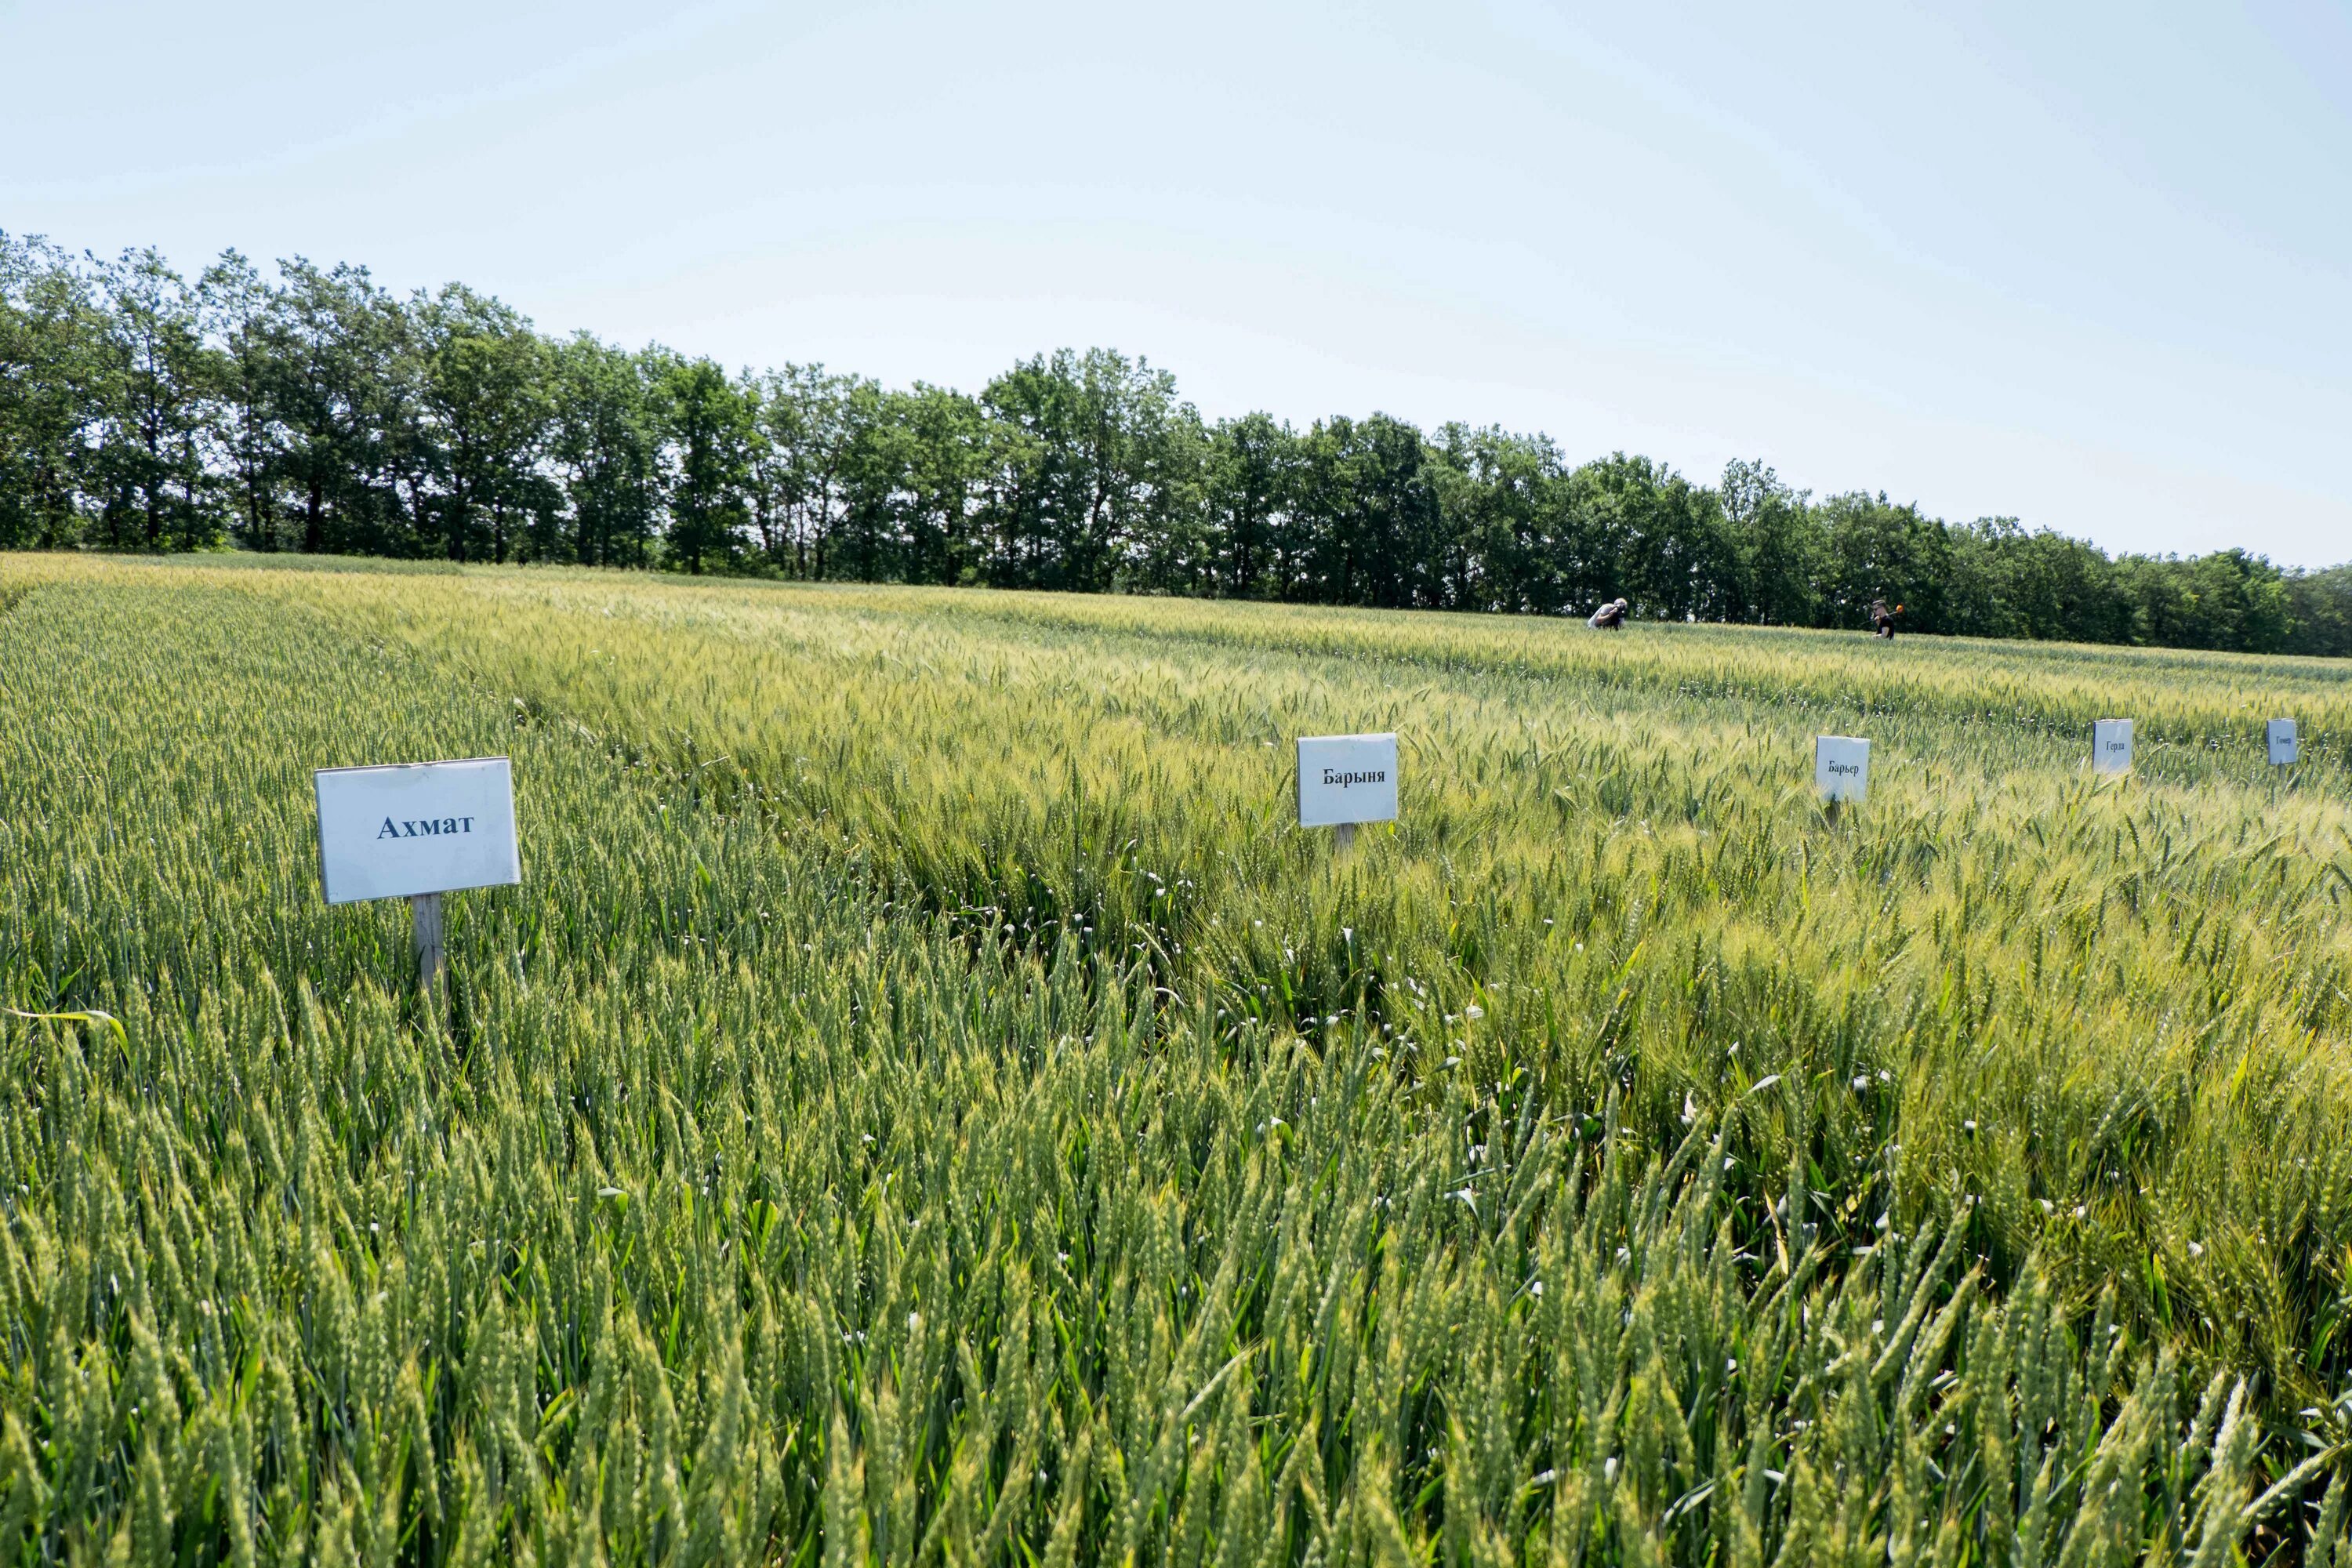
point(1347, 779)
point(416, 827)
point(2280, 733)
point(1841, 767)
point(2111, 745)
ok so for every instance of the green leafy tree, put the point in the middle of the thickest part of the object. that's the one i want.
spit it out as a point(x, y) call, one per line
point(2228, 600)
point(51, 376)
point(150, 443)
point(237, 306)
point(311, 409)
point(604, 440)
point(1370, 509)
point(1876, 549)
point(2319, 610)
point(345, 390)
point(1247, 477)
point(868, 541)
point(1778, 545)
point(1092, 443)
point(1495, 496)
point(488, 402)
point(709, 427)
point(939, 451)
point(808, 426)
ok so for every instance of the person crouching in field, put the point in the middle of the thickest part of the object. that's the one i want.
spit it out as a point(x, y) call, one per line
point(1609, 617)
point(1882, 619)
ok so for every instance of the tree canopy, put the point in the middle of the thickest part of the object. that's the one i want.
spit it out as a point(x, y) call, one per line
point(313, 410)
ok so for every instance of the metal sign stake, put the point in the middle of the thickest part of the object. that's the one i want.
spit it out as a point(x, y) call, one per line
point(425, 911)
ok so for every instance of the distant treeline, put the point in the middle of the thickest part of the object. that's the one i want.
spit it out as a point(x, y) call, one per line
point(315, 411)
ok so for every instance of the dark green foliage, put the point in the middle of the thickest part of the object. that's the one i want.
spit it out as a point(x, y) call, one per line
point(322, 414)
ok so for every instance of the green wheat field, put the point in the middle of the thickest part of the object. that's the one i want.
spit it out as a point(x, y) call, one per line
point(929, 1103)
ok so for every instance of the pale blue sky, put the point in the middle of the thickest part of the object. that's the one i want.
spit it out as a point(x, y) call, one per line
point(2090, 265)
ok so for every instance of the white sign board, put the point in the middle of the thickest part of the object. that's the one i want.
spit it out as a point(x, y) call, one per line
point(2281, 735)
point(1347, 779)
point(1841, 766)
point(2111, 745)
point(420, 828)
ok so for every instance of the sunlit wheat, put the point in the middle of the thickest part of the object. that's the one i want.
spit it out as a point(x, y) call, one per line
point(929, 1103)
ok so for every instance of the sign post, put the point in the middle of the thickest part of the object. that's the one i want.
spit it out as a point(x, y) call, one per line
point(424, 915)
point(2279, 733)
point(416, 831)
point(1344, 780)
point(1841, 767)
point(2111, 745)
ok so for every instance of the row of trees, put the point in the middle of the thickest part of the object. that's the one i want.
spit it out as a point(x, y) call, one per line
point(313, 410)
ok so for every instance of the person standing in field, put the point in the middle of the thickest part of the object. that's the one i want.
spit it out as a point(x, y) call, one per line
point(1609, 617)
point(1882, 619)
